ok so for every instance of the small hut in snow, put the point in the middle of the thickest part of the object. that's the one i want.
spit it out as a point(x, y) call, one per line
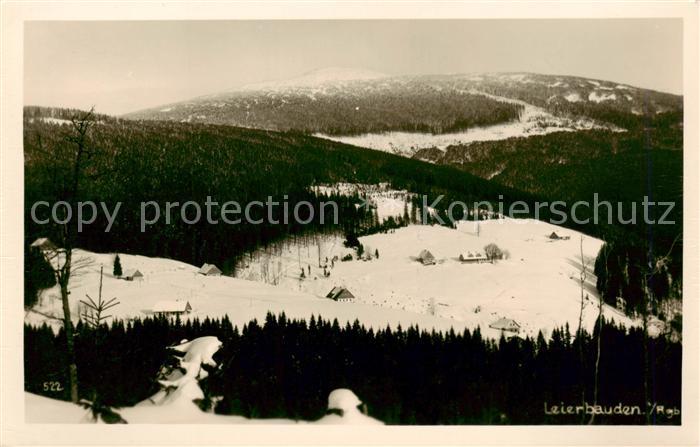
point(170, 308)
point(209, 270)
point(43, 244)
point(133, 274)
point(340, 294)
point(505, 324)
point(426, 258)
point(555, 237)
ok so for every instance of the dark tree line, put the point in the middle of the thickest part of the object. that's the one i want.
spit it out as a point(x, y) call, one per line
point(621, 168)
point(38, 275)
point(437, 104)
point(165, 161)
point(286, 368)
point(179, 162)
point(411, 107)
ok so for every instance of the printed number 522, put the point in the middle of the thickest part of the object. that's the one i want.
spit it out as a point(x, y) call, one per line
point(53, 386)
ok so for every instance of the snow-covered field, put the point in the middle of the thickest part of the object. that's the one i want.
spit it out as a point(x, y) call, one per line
point(538, 286)
point(387, 202)
point(241, 300)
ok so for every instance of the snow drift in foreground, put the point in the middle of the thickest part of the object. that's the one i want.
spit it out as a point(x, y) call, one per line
point(180, 389)
point(344, 408)
point(182, 385)
point(176, 401)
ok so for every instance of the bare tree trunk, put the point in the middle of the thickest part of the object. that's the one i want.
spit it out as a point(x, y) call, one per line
point(63, 267)
point(579, 332)
point(68, 329)
point(596, 376)
point(645, 347)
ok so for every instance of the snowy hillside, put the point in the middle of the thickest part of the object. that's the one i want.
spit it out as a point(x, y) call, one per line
point(533, 121)
point(387, 202)
point(407, 113)
point(538, 286)
point(241, 300)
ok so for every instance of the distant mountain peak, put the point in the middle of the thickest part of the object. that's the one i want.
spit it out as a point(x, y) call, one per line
point(317, 77)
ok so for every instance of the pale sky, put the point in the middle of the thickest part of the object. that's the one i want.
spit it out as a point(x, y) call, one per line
point(125, 66)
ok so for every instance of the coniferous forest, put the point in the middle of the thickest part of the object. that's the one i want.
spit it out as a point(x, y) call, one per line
point(338, 224)
point(137, 161)
point(283, 368)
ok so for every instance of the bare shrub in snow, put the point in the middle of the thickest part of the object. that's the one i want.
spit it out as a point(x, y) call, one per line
point(493, 252)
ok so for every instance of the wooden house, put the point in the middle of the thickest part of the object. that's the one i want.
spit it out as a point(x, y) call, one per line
point(505, 324)
point(340, 294)
point(473, 258)
point(172, 308)
point(426, 258)
point(210, 270)
point(133, 274)
point(43, 244)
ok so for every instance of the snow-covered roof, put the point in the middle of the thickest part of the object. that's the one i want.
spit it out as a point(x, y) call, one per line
point(43, 242)
point(425, 254)
point(339, 292)
point(172, 306)
point(426, 257)
point(209, 269)
point(504, 323)
point(132, 273)
point(40, 241)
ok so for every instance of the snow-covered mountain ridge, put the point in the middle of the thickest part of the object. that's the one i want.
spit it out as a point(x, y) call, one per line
point(403, 114)
point(330, 75)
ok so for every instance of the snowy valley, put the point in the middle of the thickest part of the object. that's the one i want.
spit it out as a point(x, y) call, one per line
point(438, 229)
point(537, 284)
